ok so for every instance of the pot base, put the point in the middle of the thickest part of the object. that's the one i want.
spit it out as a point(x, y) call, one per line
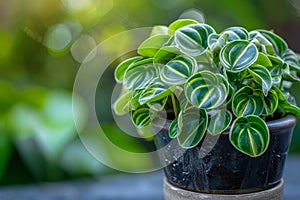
point(175, 193)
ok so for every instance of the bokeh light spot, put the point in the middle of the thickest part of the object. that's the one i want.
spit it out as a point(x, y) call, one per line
point(110, 45)
point(193, 14)
point(87, 12)
point(58, 38)
point(74, 27)
point(83, 49)
point(76, 5)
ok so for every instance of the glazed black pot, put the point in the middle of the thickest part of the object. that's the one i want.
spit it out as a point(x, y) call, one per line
point(215, 166)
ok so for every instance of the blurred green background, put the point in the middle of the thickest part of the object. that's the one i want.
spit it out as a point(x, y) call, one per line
point(43, 43)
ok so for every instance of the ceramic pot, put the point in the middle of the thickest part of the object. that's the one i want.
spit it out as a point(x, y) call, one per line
point(214, 166)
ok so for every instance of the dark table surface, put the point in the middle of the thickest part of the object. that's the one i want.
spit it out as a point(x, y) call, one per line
point(124, 187)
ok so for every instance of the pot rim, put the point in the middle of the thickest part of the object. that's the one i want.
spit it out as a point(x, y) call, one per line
point(286, 122)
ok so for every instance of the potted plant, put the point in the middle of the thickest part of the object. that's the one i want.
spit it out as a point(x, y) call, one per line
point(225, 102)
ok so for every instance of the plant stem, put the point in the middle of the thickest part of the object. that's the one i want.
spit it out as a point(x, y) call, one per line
point(174, 105)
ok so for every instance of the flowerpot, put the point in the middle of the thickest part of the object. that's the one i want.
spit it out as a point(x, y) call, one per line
point(214, 166)
point(175, 193)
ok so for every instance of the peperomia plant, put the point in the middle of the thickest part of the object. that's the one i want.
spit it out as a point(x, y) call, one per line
point(208, 82)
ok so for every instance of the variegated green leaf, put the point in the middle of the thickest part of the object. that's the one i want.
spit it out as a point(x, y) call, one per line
point(123, 66)
point(250, 135)
point(270, 103)
point(121, 106)
point(289, 108)
point(165, 54)
point(238, 55)
point(155, 91)
point(262, 43)
point(276, 70)
point(192, 125)
point(285, 105)
point(277, 42)
point(291, 76)
point(174, 129)
point(158, 105)
point(171, 42)
point(192, 39)
point(275, 60)
point(263, 60)
point(151, 45)
point(142, 116)
point(282, 96)
point(247, 101)
point(291, 59)
point(236, 33)
point(139, 74)
point(182, 100)
point(159, 30)
point(217, 42)
point(206, 90)
point(179, 24)
point(134, 101)
point(178, 70)
point(218, 121)
point(212, 40)
point(262, 76)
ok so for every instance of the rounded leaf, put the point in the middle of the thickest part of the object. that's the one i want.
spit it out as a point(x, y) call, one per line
point(217, 42)
point(123, 66)
point(192, 125)
point(174, 129)
point(165, 54)
point(179, 24)
point(158, 105)
point(192, 39)
point(206, 90)
point(291, 59)
point(236, 33)
point(284, 104)
point(155, 91)
point(139, 74)
point(121, 106)
point(151, 45)
point(291, 76)
point(262, 43)
point(270, 102)
point(247, 102)
point(277, 42)
point(250, 135)
point(142, 116)
point(218, 121)
point(159, 30)
point(178, 70)
point(261, 75)
point(238, 55)
point(275, 60)
point(263, 60)
point(212, 40)
point(134, 101)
